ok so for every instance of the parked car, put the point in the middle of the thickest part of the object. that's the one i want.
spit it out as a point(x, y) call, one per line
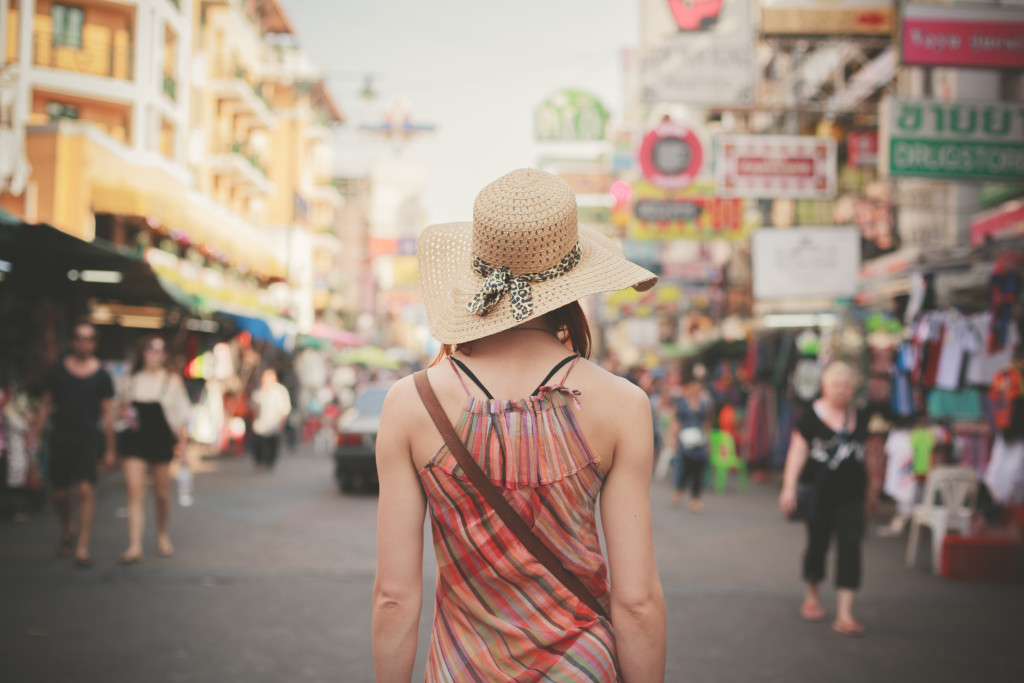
point(355, 463)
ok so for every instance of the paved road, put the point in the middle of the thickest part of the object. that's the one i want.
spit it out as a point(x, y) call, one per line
point(273, 573)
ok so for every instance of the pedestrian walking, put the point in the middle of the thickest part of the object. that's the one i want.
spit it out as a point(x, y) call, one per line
point(512, 487)
point(691, 425)
point(78, 393)
point(825, 483)
point(157, 406)
point(272, 406)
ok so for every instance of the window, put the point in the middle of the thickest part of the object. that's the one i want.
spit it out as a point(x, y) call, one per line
point(59, 110)
point(67, 25)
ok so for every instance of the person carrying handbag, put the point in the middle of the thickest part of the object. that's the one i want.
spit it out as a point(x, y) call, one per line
point(825, 484)
point(510, 441)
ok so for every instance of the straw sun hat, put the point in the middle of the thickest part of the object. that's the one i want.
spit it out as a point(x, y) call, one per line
point(523, 255)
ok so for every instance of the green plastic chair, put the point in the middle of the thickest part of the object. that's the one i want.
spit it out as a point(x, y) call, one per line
point(725, 460)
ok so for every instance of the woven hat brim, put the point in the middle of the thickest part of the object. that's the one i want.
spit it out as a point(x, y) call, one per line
point(448, 282)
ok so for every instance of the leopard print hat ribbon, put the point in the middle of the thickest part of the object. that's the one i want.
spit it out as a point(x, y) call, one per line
point(499, 281)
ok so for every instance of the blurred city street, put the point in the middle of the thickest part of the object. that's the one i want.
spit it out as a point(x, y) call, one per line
point(272, 577)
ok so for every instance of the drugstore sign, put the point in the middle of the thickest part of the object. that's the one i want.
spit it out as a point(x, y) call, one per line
point(948, 140)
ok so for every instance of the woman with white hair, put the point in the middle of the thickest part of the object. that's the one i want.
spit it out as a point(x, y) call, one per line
point(825, 483)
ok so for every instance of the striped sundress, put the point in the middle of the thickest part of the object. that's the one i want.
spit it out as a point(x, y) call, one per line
point(499, 614)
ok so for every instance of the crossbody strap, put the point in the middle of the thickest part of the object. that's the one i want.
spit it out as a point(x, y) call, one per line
point(494, 498)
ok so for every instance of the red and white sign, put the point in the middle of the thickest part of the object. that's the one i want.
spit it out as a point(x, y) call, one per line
point(1001, 223)
point(671, 155)
point(938, 35)
point(862, 148)
point(775, 166)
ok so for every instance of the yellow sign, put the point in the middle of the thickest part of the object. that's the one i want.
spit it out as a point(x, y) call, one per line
point(692, 212)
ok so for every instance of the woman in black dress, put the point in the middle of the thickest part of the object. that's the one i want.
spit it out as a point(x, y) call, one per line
point(827, 452)
point(157, 406)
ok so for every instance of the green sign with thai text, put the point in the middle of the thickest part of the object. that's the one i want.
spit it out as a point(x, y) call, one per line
point(951, 140)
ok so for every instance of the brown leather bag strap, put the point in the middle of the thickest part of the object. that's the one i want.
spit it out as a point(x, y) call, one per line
point(501, 506)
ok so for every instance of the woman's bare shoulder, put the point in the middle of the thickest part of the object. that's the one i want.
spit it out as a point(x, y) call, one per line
point(611, 388)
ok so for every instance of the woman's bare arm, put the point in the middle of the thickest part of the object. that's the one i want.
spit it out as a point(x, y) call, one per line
point(638, 603)
point(795, 459)
point(398, 587)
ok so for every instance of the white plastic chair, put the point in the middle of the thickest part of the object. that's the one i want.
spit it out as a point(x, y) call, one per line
point(949, 497)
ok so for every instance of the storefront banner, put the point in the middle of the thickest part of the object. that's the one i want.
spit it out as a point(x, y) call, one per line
point(998, 224)
point(862, 149)
point(948, 140)
point(692, 213)
point(940, 35)
point(213, 289)
point(769, 166)
point(827, 17)
point(698, 52)
point(805, 263)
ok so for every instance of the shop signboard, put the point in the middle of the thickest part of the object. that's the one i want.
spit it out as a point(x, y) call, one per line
point(862, 148)
point(805, 263)
point(699, 52)
point(962, 35)
point(1000, 223)
point(771, 166)
point(950, 140)
point(692, 213)
point(671, 155)
point(571, 115)
point(827, 17)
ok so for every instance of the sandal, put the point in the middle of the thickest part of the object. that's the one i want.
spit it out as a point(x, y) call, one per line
point(127, 558)
point(83, 562)
point(810, 611)
point(165, 549)
point(67, 544)
point(848, 627)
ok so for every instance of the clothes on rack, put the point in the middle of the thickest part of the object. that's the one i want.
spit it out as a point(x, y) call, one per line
point(984, 364)
point(900, 481)
point(1004, 475)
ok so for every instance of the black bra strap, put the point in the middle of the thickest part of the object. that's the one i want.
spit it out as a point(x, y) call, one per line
point(561, 364)
point(469, 374)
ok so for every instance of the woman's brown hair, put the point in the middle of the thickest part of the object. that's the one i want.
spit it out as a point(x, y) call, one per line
point(568, 322)
point(140, 352)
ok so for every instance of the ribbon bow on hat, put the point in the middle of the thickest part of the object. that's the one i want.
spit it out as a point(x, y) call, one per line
point(500, 281)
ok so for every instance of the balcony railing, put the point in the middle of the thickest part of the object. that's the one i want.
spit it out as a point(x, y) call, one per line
point(254, 160)
point(94, 57)
point(170, 86)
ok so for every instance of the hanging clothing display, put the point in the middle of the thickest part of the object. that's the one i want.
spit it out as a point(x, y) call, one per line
point(922, 439)
point(984, 364)
point(959, 338)
point(1007, 394)
point(964, 404)
point(900, 481)
point(1004, 290)
point(1004, 475)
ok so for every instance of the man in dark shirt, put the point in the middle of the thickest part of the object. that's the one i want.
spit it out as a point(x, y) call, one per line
point(79, 393)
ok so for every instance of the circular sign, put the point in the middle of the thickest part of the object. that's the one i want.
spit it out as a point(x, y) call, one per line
point(671, 155)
